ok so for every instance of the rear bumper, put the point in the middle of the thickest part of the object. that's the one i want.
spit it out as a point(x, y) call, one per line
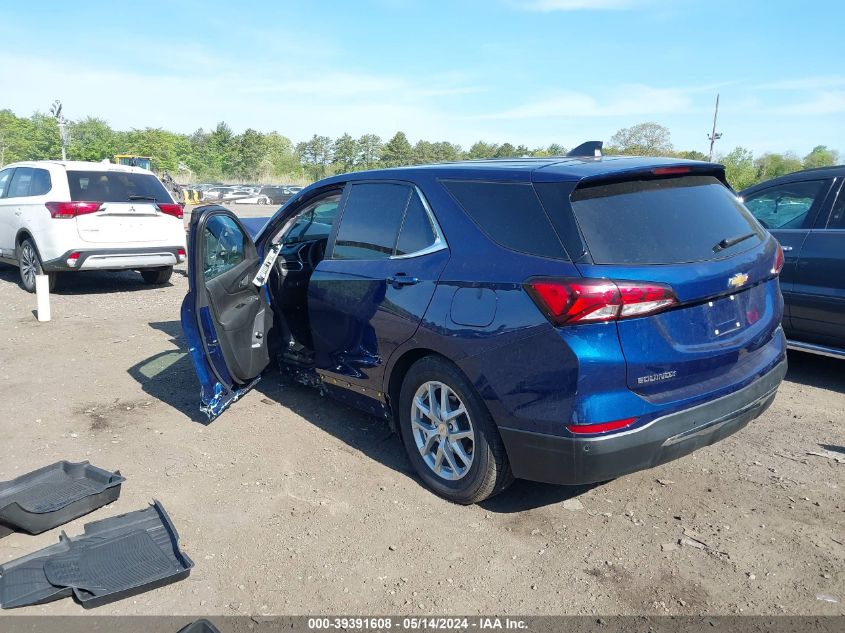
point(117, 259)
point(572, 461)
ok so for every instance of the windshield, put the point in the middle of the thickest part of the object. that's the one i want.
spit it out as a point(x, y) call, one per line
point(664, 221)
point(115, 186)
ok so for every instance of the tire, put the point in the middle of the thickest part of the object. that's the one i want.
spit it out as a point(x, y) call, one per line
point(157, 276)
point(471, 434)
point(29, 263)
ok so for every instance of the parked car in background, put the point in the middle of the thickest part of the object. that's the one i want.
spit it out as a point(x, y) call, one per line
point(216, 193)
point(249, 197)
point(567, 320)
point(276, 194)
point(805, 211)
point(60, 216)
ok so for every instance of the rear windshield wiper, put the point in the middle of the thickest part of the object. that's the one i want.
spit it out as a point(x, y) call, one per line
point(731, 241)
point(150, 198)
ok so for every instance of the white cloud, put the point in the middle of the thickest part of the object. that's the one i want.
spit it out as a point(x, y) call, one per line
point(630, 100)
point(822, 103)
point(547, 6)
point(803, 83)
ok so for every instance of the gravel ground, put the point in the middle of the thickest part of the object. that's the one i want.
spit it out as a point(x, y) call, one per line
point(292, 504)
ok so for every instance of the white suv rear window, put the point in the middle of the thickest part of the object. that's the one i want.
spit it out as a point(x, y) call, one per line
point(115, 186)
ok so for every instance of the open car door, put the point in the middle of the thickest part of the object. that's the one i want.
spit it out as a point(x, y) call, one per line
point(225, 316)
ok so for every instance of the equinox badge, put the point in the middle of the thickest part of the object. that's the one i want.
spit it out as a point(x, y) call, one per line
point(738, 280)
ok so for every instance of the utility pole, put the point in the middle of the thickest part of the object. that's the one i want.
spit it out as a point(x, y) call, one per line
point(714, 135)
point(56, 111)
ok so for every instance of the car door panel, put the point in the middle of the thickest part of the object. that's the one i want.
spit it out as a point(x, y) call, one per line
point(789, 211)
point(818, 299)
point(361, 311)
point(7, 216)
point(225, 317)
point(371, 293)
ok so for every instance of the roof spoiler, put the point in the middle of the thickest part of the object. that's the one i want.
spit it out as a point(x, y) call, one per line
point(590, 149)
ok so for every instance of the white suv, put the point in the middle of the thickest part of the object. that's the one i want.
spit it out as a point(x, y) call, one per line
point(67, 215)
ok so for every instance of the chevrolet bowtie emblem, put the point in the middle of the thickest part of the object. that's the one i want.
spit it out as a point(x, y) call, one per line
point(738, 280)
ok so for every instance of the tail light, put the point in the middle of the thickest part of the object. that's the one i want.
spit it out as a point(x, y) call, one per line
point(171, 209)
point(180, 254)
point(72, 209)
point(778, 261)
point(567, 301)
point(600, 427)
point(73, 259)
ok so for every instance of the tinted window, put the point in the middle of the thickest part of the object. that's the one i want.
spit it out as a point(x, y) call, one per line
point(837, 216)
point(314, 221)
point(371, 220)
point(19, 186)
point(417, 232)
point(785, 206)
point(115, 186)
point(510, 214)
point(224, 246)
point(663, 221)
point(5, 177)
point(40, 183)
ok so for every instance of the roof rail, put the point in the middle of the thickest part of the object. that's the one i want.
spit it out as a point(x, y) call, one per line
point(590, 149)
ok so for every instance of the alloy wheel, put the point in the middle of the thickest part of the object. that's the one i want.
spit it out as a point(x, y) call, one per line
point(442, 430)
point(29, 264)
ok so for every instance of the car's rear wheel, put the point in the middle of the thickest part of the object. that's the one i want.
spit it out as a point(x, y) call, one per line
point(448, 433)
point(29, 264)
point(157, 276)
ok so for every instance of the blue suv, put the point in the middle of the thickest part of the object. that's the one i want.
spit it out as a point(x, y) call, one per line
point(565, 320)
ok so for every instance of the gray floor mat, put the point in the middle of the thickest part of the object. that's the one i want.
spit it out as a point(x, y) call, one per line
point(114, 558)
point(56, 494)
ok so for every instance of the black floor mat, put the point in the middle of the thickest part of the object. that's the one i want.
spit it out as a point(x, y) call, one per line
point(200, 626)
point(115, 558)
point(56, 494)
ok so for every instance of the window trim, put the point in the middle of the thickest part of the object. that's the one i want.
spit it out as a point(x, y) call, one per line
point(439, 237)
point(439, 243)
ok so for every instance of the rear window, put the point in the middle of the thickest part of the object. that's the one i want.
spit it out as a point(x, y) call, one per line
point(663, 221)
point(115, 186)
point(510, 214)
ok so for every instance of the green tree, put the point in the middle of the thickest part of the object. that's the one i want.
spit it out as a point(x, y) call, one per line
point(505, 150)
point(166, 149)
point(772, 165)
point(397, 151)
point(316, 155)
point(250, 150)
point(281, 156)
point(423, 153)
point(739, 168)
point(692, 155)
point(643, 139)
point(369, 150)
point(443, 152)
point(92, 139)
point(821, 156)
point(480, 149)
point(345, 152)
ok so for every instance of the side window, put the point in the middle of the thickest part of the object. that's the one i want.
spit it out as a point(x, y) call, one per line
point(225, 246)
point(417, 232)
point(19, 186)
point(837, 216)
point(510, 214)
point(785, 206)
point(5, 177)
point(314, 221)
point(41, 183)
point(371, 220)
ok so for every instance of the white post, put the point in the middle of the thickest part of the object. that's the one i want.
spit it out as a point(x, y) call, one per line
point(42, 297)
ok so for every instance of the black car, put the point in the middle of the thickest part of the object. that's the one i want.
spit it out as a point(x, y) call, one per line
point(805, 211)
point(277, 195)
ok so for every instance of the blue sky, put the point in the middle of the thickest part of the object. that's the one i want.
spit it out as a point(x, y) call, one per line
point(531, 71)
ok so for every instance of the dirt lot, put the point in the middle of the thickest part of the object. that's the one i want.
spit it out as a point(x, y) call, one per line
point(291, 504)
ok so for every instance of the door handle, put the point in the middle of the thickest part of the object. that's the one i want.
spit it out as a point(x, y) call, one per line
point(401, 279)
